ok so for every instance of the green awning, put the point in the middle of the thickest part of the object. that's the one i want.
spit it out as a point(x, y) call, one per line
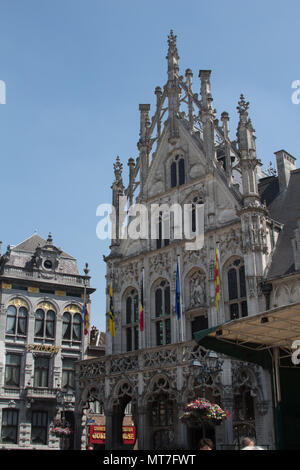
point(253, 338)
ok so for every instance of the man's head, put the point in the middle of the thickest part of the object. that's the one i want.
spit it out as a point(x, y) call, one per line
point(206, 444)
point(248, 442)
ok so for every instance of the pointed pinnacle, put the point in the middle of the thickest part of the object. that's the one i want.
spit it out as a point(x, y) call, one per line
point(242, 105)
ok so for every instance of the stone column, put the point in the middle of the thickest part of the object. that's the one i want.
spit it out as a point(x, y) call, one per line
point(83, 441)
point(108, 429)
point(141, 436)
point(182, 429)
point(227, 401)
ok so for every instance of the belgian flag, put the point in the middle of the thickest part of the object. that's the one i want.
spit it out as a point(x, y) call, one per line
point(112, 326)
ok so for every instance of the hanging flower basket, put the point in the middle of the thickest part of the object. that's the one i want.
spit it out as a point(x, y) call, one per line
point(201, 410)
point(60, 431)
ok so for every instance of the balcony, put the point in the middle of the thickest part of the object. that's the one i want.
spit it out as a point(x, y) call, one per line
point(41, 393)
point(58, 278)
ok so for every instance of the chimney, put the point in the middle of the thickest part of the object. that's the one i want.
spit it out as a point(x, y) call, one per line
point(285, 164)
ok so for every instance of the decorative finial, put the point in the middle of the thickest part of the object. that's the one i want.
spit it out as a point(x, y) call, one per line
point(50, 239)
point(172, 38)
point(242, 105)
point(172, 51)
point(118, 167)
point(271, 171)
point(86, 269)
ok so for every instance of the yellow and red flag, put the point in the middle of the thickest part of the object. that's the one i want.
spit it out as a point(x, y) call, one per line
point(112, 325)
point(217, 280)
point(86, 319)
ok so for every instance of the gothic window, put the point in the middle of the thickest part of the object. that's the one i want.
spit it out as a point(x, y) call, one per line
point(237, 300)
point(132, 320)
point(12, 370)
point(162, 319)
point(163, 225)
point(9, 428)
point(39, 424)
point(44, 326)
point(71, 328)
point(16, 320)
point(177, 172)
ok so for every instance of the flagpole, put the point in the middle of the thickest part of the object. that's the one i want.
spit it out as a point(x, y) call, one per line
point(86, 271)
point(143, 307)
point(220, 320)
point(181, 319)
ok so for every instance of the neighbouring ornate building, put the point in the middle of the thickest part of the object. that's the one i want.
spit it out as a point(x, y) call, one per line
point(41, 338)
point(186, 156)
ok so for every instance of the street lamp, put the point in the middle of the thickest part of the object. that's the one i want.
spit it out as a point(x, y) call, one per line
point(205, 368)
point(202, 369)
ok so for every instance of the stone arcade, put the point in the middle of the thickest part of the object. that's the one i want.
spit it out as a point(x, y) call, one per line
point(186, 156)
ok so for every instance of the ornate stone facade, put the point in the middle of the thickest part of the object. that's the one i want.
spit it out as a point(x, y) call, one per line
point(41, 337)
point(188, 158)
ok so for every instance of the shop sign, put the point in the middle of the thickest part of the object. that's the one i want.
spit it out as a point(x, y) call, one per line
point(97, 434)
point(43, 347)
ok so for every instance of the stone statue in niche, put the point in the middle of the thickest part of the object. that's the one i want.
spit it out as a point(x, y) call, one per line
point(197, 289)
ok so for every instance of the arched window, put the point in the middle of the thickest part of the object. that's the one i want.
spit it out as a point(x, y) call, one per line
point(39, 323)
point(16, 320)
point(132, 320)
point(173, 175)
point(177, 171)
point(77, 327)
point(44, 325)
point(162, 320)
point(66, 330)
point(72, 324)
point(237, 300)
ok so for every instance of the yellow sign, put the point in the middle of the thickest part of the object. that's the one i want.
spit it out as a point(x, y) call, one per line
point(34, 290)
point(61, 293)
point(6, 286)
point(43, 347)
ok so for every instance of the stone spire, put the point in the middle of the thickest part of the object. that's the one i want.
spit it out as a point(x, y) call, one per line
point(173, 88)
point(207, 115)
point(143, 145)
point(247, 149)
point(117, 191)
point(227, 149)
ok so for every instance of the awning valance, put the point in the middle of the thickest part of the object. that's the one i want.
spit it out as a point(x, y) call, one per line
point(253, 338)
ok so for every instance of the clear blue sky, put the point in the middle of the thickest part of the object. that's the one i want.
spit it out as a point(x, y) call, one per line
point(76, 71)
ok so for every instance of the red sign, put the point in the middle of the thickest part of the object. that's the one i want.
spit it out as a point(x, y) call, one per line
point(97, 434)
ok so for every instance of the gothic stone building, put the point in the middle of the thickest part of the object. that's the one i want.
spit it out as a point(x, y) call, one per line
point(41, 338)
point(185, 156)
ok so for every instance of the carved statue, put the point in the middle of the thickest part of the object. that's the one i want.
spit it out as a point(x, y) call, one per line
point(197, 289)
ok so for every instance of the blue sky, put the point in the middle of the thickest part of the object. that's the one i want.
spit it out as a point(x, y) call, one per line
point(75, 73)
